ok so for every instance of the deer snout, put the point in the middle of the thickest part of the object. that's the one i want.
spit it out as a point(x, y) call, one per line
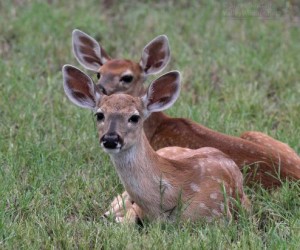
point(111, 141)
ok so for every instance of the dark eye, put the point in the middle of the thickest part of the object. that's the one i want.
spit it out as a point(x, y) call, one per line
point(134, 119)
point(100, 117)
point(98, 75)
point(126, 78)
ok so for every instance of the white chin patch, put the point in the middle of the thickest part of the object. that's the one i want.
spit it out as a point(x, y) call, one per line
point(112, 151)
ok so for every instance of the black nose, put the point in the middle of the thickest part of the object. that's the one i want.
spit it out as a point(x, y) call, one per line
point(111, 141)
point(102, 89)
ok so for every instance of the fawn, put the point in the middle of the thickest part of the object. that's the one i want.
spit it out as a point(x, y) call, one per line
point(267, 158)
point(172, 183)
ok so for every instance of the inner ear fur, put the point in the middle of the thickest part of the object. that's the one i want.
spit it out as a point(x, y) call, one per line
point(79, 87)
point(155, 55)
point(88, 52)
point(163, 92)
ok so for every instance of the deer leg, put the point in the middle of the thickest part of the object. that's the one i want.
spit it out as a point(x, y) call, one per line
point(269, 142)
point(119, 205)
point(132, 215)
point(287, 159)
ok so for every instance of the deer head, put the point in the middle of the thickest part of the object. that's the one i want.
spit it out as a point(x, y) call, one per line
point(120, 75)
point(120, 117)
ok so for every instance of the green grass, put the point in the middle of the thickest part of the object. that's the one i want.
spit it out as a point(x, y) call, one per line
point(55, 182)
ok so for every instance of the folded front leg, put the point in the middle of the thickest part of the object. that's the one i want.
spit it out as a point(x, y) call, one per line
point(119, 206)
point(132, 215)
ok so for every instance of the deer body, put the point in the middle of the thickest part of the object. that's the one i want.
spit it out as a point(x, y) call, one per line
point(251, 148)
point(272, 157)
point(171, 183)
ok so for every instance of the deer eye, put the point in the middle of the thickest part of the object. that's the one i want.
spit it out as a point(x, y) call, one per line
point(100, 117)
point(134, 119)
point(126, 79)
point(98, 75)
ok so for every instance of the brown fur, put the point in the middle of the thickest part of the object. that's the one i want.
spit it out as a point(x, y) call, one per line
point(111, 73)
point(254, 148)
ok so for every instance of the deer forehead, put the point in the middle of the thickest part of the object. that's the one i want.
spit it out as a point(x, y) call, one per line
point(121, 103)
point(120, 67)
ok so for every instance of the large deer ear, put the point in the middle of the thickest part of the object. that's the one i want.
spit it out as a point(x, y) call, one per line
point(87, 51)
point(79, 87)
point(162, 93)
point(156, 55)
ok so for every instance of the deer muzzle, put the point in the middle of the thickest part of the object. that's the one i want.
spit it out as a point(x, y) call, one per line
point(111, 141)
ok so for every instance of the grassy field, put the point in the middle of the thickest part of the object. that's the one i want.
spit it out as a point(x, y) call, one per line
point(240, 72)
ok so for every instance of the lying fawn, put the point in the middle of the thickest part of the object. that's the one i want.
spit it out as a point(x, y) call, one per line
point(173, 183)
point(267, 158)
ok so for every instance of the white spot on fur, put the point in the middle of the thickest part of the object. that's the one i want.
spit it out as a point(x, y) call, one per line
point(203, 206)
point(165, 183)
point(216, 212)
point(127, 72)
point(201, 164)
point(216, 179)
point(229, 163)
point(136, 112)
point(195, 187)
point(213, 196)
point(219, 181)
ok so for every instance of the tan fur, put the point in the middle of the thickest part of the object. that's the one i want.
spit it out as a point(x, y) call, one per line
point(111, 73)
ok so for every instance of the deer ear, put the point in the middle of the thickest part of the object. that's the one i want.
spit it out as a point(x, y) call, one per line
point(156, 55)
point(87, 51)
point(162, 92)
point(79, 87)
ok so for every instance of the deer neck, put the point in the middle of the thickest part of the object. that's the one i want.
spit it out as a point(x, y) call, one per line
point(140, 158)
point(140, 173)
